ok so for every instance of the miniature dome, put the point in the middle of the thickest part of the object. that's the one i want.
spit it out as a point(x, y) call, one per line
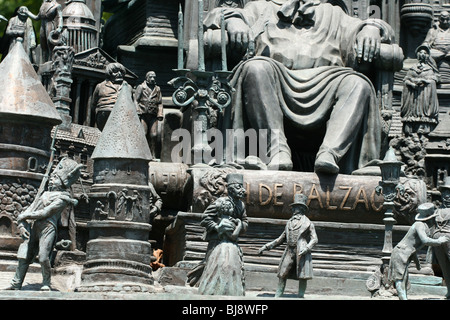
point(81, 25)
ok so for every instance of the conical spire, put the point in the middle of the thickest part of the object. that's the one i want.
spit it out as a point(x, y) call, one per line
point(21, 91)
point(123, 136)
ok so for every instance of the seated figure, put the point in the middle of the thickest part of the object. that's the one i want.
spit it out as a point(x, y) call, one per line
point(300, 77)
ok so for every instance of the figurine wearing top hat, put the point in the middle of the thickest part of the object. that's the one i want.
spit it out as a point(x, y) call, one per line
point(300, 237)
point(442, 228)
point(417, 237)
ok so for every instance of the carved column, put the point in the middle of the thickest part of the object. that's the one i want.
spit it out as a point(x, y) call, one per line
point(63, 58)
point(76, 111)
point(92, 84)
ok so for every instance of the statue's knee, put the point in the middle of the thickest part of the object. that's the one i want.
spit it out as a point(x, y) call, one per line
point(44, 260)
point(360, 84)
point(257, 68)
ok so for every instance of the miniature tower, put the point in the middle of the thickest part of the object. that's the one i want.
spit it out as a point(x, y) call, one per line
point(27, 116)
point(118, 252)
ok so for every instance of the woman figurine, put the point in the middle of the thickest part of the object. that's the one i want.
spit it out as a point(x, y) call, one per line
point(420, 105)
point(224, 268)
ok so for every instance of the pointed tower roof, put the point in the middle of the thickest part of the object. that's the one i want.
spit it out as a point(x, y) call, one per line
point(123, 136)
point(22, 94)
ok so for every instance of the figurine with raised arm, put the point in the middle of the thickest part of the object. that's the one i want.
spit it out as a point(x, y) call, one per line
point(20, 29)
point(40, 234)
point(51, 17)
point(442, 228)
point(417, 237)
point(300, 237)
point(438, 38)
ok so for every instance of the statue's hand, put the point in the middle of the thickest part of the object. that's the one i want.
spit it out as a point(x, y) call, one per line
point(21, 217)
point(238, 35)
point(443, 239)
point(368, 43)
point(261, 250)
point(225, 226)
point(23, 231)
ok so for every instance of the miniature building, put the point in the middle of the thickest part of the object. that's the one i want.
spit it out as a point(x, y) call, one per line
point(118, 251)
point(81, 26)
point(27, 116)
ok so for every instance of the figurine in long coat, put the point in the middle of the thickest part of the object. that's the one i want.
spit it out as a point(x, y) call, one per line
point(300, 237)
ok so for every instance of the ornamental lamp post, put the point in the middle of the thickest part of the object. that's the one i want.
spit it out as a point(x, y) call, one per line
point(200, 89)
point(390, 187)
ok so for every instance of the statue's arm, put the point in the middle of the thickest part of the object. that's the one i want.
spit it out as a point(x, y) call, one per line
point(33, 16)
point(313, 237)
point(238, 23)
point(275, 243)
point(426, 240)
point(209, 222)
point(60, 19)
point(158, 203)
point(9, 32)
point(54, 208)
point(138, 93)
point(95, 97)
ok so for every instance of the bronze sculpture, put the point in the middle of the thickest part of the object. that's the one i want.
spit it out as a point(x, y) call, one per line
point(306, 52)
point(442, 228)
point(20, 28)
point(106, 93)
point(405, 251)
point(222, 233)
point(50, 15)
point(439, 41)
point(300, 237)
point(224, 267)
point(420, 105)
point(150, 108)
point(40, 236)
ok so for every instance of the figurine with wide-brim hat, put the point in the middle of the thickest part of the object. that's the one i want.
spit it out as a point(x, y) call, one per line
point(426, 212)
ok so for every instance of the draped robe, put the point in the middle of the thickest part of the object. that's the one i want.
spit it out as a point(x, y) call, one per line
point(310, 64)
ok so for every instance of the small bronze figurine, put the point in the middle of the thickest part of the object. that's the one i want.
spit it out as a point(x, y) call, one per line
point(107, 92)
point(221, 272)
point(300, 237)
point(40, 235)
point(51, 17)
point(417, 237)
point(442, 228)
point(420, 105)
point(20, 29)
point(438, 39)
point(150, 108)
